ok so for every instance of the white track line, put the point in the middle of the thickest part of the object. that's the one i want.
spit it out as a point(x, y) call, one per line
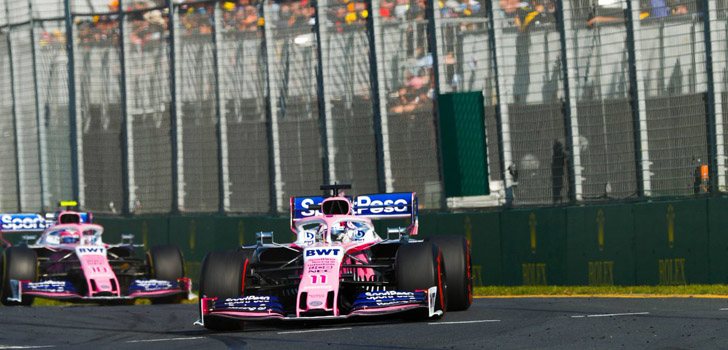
point(163, 339)
point(612, 315)
point(315, 330)
point(3, 347)
point(724, 309)
point(461, 322)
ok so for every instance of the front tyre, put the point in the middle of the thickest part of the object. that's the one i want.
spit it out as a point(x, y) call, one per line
point(419, 266)
point(166, 263)
point(18, 263)
point(456, 251)
point(222, 277)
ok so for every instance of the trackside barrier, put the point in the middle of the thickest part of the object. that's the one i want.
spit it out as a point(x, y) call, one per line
point(671, 242)
point(533, 246)
point(668, 243)
point(599, 245)
point(718, 239)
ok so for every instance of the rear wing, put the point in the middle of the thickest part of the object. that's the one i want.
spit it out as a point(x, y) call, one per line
point(374, 206)
point(304, 207)
point(22, 223)
point(34, 222)
point(399, 205)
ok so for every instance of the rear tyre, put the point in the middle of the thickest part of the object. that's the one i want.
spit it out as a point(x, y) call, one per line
point(166, 263)
point(222, 277)
point(419, 266)
point(456, 251)
point(18, 263)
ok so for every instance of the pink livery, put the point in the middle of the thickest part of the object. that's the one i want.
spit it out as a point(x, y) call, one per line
point(338, 266)
point(70, 261)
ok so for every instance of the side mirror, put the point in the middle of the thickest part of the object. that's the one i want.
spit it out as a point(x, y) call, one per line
point(127, 238)
point(401, 232)
point(264, 237)
point(27, 239)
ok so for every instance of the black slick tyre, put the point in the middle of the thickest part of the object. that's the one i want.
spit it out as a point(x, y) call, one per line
point(18, 263)
point(419, 266)
point(166, 263)
point(222, 277)
point(456, 251)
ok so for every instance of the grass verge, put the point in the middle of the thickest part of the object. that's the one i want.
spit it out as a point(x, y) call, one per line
point(705, 290)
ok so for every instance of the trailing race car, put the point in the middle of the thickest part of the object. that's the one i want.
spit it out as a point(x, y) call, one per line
point(70, 261)
point(338, 267)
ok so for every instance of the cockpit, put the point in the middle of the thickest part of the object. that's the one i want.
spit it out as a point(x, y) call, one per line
point(72, 235)
point(343, 230)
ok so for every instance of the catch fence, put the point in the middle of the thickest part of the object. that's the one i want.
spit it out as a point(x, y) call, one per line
point(232, 106)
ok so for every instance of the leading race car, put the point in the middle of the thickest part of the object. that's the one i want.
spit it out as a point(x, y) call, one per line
point(338, 267)
point(70, 261)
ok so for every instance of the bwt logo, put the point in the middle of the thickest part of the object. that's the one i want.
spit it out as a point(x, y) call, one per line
point(91, 250)
point(323, 252)
point(20, 222)
point(387, 206)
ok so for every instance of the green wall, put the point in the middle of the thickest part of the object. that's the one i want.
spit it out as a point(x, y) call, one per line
point(661, 242)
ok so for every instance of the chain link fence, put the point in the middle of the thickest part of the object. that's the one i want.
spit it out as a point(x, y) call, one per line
point(243, 97)
point(671, 59)
point(154, 106)
point(8, 155)
point(718, 21)
point(532, 106)
point(464, 38)
point(603, 101)
point(345, 44)
point(292, 51)
point(408, 123)
point(197, 106)
point(149, 114)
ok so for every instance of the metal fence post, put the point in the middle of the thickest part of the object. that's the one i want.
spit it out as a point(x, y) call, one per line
point(173, 108)
point(72, 121)
point(14, 110)
point(710, 102)
point(636, 91)
point(718, 89)
point(277, 201)
point(273, 170)
point(494, 63)
point(432, 43)
point(40, 128)
point(376, 103)
point(321, 98)
point(509, 182)
point(381, 118)
point(571, 121)
point(127, 151)
point(221, 129)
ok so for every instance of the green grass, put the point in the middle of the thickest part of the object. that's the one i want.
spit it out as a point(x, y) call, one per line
point(682, 290)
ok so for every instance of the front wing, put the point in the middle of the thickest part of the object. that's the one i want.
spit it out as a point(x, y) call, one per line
point(252, 308)
point(64, 290)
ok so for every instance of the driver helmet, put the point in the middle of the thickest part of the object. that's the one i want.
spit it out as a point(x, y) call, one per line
point(69, 237)
point(341, 232)
point(321, 234)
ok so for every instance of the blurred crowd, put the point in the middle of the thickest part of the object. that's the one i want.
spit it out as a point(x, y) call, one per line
point(525, 14)
point(148, 19)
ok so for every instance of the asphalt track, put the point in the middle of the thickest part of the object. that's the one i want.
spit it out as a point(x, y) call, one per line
point(519, 323)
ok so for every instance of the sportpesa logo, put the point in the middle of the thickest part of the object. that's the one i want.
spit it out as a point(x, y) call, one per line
point(382, 204)
point(23, 222)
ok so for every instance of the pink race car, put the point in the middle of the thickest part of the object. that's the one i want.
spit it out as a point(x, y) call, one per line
point(338, 267)
point(69, 261)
